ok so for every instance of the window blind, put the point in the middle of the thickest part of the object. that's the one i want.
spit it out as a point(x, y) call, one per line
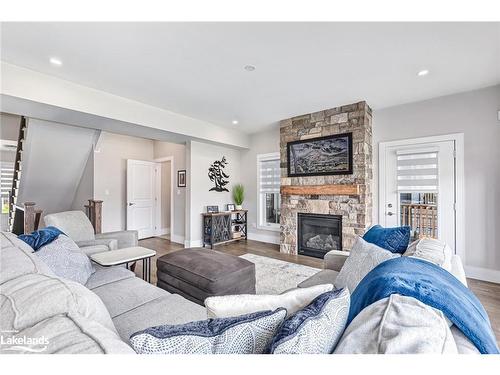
point(6, 175)
point(417, 171)
point(270, 176)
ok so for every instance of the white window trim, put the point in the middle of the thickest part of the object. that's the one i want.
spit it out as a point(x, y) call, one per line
point(260, 208)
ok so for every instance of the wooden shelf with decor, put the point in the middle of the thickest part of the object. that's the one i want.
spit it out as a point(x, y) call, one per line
point(224, 227)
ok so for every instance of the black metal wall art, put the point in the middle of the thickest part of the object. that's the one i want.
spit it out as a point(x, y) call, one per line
point(217, 175)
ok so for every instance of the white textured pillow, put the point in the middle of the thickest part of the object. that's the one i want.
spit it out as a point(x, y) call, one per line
point(397, 325)
point(236, 305)
point(432, 250)
point(363, 258)
point(66, 260)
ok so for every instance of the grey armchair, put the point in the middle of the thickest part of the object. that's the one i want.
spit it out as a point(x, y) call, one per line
point(77, 226)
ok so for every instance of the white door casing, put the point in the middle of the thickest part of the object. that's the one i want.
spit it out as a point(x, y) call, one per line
point(450, 187)
point(142, 197)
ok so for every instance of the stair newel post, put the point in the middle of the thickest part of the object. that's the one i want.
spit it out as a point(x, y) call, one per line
point(29, 217)
point(96, 210)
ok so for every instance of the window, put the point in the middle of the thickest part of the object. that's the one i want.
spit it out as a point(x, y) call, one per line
point(418, 185)
point(268, 190)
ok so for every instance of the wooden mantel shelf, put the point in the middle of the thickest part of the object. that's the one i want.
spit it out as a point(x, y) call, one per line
point(320, 190)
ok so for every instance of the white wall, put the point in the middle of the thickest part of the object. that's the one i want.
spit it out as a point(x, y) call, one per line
point(85, 189)
point(178, 152)
point(473, 113)
point(260, 143)
point(53, 162)
point(110, 175)
point(202, 155)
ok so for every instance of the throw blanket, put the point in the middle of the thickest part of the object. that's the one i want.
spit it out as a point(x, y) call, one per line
point(433, 286)
point(41, 237)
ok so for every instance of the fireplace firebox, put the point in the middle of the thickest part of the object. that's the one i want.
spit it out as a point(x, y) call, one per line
point(317, 234)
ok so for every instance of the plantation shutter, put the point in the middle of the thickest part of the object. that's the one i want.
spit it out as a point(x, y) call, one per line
point(270, 176)
point(418, 171)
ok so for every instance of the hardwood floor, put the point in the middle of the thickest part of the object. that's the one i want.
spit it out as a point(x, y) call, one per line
point(488, 293)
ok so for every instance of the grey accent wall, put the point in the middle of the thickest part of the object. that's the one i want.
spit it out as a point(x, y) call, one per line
point(473, 113)
point(178, 152)
point(110, 175)
point(260, 143)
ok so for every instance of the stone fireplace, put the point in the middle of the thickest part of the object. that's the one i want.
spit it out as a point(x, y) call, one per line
point(346, 198)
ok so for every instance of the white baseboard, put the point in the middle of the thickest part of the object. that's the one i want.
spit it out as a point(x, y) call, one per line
point(177, 239)
point(269, 238)
point(193, 243)
point(484, 274)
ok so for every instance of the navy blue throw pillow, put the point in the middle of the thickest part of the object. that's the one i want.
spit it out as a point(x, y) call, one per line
point(315, 329)
point(395, 240)
point(41, 237)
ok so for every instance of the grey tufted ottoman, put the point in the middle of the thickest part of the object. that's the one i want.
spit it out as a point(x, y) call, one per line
point(200, 273)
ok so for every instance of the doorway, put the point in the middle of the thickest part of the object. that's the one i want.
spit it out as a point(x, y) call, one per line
point(150, 208)
point(421, 185)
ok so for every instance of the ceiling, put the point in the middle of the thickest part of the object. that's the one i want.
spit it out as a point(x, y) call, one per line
point(197, 69)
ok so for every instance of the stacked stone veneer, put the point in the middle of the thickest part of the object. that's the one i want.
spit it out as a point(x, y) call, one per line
point(356, 210)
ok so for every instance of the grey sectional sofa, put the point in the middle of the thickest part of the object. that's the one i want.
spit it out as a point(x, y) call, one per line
point(96, 318)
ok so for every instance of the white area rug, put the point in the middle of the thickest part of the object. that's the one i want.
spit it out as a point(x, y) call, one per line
point(276, 276)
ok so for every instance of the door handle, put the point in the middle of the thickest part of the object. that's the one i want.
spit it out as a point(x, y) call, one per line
point(390, 213)
point(131, 204)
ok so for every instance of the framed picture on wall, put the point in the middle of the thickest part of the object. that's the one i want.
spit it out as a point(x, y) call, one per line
point(181, 178)
point(323, 156)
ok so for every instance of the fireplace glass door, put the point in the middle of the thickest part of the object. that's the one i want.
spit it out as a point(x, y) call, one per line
point(317, 234)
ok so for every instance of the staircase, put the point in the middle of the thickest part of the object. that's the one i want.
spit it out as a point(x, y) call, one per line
point(16, 176)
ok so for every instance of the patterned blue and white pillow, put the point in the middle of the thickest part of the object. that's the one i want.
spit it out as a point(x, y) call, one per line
point(246, 334)
point(317, 328)
point(66, 259)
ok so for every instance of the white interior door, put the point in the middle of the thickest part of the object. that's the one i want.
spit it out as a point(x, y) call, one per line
point(142, 197)
point(417, 182)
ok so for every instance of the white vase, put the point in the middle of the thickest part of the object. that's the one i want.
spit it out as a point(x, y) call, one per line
point(239, 207)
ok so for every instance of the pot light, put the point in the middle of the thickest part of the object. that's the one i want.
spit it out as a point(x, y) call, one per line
point(55, 61)
point(249, 68)
point(423, 73)
point(235, 122)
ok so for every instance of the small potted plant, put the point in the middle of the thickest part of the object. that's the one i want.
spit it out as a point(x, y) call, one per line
point(238, 195)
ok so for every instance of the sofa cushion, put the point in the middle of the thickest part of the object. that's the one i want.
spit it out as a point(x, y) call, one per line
point(246, 334)
point(235, 305)
point(32, 298)
point(397, 325)
point(363, 258)
point(315, 329)
point(168, 309)
point(431, 250)
point(211, 271)
point(393, 239)
point(126, 294)
point(17, 259)
point(75, 224)
point(66, 259)
point(67, 334)
point(326, 276)
point(106, 275)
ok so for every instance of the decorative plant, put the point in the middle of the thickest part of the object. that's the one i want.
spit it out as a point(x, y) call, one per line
point(238, 194)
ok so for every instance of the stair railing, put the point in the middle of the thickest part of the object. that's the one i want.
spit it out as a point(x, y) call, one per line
point(17, 169)
point(94, 213)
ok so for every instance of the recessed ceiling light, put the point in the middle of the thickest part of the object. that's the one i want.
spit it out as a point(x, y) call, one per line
point(235, 122)
point(55, 61)
point(423, 73)
point(249, 68)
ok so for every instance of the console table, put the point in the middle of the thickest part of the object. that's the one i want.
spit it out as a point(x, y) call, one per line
point(224, 227)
